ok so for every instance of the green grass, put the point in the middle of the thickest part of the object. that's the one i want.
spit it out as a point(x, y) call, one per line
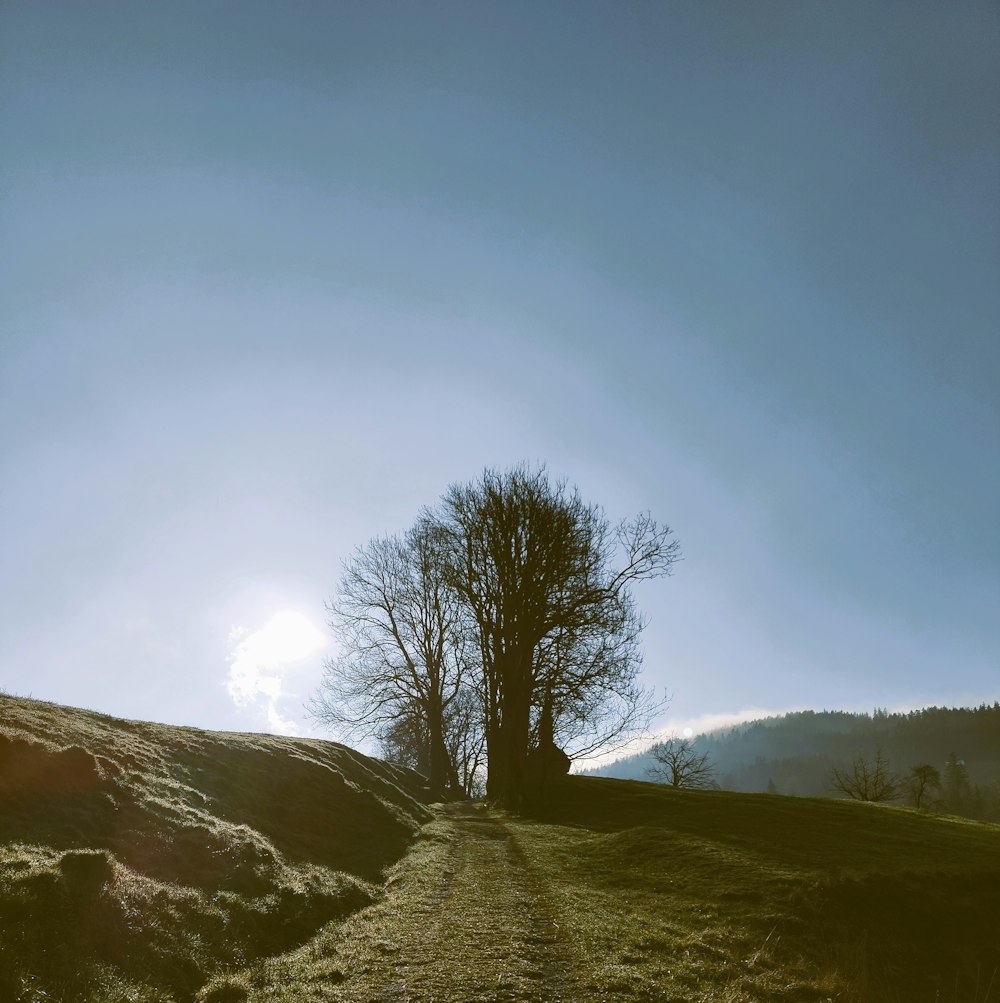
point(346, 960)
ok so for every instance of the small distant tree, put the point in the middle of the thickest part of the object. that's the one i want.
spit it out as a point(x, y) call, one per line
point(680, 764)
point(868, 780)
point(992, 798)
point(404, 740)
point(921, 782)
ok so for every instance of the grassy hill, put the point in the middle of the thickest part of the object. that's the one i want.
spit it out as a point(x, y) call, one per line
point(625, 891)
point(152, 864)
point(678, 895)
point(136, 860)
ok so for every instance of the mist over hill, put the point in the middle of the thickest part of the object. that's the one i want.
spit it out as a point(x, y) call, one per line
point(796, 753)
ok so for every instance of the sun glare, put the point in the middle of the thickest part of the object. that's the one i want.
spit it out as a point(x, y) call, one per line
point(688, 732)
point(261, 660)
point(286, 637)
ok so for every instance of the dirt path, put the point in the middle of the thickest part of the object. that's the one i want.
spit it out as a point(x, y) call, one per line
point(473, 926)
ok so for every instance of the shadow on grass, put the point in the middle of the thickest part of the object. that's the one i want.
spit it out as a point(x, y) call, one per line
point(904, 905)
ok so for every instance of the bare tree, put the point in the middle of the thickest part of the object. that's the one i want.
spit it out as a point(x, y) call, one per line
point(504, 618)
point(545, 584)
point(922, 780)
point(402, 666)
point(958, 793)
point(466, 741)
point(680, 764)
point(868, 780)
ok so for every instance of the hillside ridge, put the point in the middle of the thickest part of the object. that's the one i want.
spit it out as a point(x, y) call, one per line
point(796, 753)
point(184, 849)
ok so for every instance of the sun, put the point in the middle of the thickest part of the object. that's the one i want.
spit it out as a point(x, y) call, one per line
point(264, 660)
point(688, 732)
point(287, 637)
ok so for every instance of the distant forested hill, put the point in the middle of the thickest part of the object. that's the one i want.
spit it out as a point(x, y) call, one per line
point(796, 753)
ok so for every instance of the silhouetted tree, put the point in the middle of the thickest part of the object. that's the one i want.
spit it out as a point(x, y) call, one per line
point(992, 801)
point(869, 780)
point(545, 584)
point(588, 695)
point(403, 672)
point(922, 780)
point(681, 765)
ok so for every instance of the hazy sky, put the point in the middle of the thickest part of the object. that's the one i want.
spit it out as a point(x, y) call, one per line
point(272, 275)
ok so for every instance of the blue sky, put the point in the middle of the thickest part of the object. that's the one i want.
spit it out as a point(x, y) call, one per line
point(273, 275)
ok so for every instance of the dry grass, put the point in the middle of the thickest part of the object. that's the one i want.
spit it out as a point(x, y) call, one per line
point(738, 897)
point(138, 859)
point(151, 864)
point(627, 891)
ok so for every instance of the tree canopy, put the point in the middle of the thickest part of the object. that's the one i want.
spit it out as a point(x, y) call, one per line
point(511, 600)
point(402, 674)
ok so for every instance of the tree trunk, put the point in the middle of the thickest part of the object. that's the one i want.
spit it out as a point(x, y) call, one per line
point(441, 773)
point(514, 734)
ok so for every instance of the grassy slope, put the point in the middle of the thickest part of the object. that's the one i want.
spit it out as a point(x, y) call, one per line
point(147, 863)
point(676, 895)
point(137, 860)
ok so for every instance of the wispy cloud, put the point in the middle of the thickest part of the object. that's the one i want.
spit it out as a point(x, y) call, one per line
point(260, 661)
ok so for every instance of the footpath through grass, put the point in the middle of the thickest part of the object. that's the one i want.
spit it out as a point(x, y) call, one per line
point(628, 891)
point(141, 863)
point(464, 918)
